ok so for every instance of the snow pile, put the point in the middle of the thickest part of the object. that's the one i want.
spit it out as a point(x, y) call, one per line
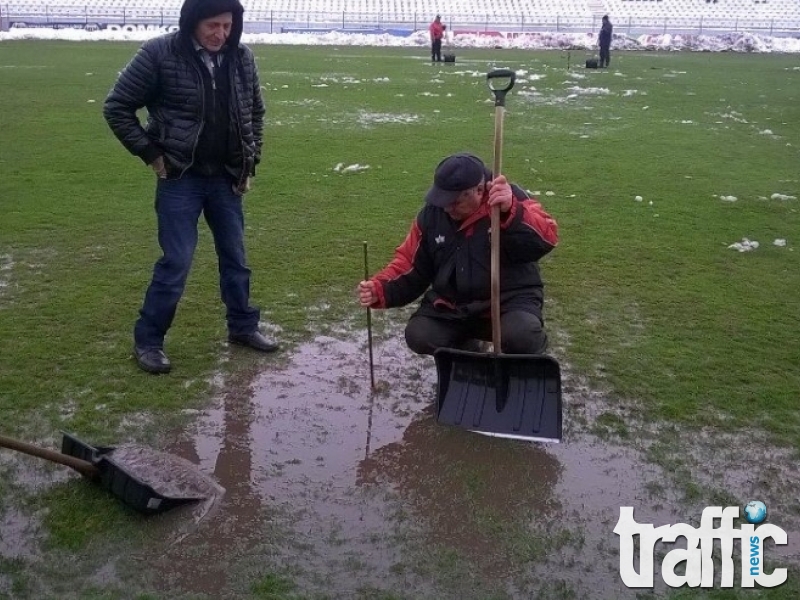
point(745, 245)
point(728, 42)
point(354, 168)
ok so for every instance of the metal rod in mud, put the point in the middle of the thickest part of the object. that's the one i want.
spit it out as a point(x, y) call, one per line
point(369, 325)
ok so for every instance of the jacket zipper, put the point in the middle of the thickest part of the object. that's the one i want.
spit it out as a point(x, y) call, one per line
point(234, 70)
point(214, 91)
point(202, 118)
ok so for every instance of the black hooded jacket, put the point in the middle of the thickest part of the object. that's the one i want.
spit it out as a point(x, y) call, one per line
point(166, 77)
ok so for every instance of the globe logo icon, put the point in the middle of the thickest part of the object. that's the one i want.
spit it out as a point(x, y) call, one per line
point(755, 512)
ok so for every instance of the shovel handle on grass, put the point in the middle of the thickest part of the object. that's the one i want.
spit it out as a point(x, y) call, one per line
point(82, 466)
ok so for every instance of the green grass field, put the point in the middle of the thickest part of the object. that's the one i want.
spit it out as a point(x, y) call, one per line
point(644, 298)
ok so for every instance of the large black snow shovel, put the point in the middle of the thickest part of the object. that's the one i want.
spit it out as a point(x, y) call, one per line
point(115, 475)
point(514, 396)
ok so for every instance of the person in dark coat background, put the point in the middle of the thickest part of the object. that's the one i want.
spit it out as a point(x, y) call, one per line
point(604, 41)
point(202, 139)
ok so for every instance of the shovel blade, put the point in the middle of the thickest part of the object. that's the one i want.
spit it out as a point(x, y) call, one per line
point(516, 396)
point(120, 482)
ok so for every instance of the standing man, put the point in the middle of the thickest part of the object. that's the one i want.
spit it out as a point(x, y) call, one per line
point(604, 41)
point(437, 33)
point(202, 139)
point(445, 258)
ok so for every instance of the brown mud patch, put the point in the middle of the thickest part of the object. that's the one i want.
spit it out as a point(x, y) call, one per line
point(346, 490)
point(351, 493)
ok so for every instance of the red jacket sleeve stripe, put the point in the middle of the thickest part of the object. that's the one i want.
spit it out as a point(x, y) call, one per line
point(534, 216)
point(401, 264)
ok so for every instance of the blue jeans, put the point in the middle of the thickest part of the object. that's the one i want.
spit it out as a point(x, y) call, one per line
point(179, 203)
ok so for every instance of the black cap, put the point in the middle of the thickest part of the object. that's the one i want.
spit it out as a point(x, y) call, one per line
point(453, 175)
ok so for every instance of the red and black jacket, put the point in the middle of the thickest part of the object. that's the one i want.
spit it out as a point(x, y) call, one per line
point(452, 261)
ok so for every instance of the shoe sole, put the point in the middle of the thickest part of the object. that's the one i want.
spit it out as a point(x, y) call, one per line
point(148, 369)
point(154, 370)
point(256, 348)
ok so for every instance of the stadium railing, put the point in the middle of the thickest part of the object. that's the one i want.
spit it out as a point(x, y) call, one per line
point(266, 21)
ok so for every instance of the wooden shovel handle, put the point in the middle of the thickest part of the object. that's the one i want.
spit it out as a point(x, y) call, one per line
point(495, 230)
point(82, 466)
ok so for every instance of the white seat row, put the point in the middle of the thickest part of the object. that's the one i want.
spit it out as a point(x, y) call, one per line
point(694, 9)
point(456, 11)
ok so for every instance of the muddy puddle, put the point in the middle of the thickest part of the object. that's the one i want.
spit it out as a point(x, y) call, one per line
point(346, 491)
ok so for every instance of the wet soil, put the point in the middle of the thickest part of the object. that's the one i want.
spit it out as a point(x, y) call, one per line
point(349, 491)
point(349, 488)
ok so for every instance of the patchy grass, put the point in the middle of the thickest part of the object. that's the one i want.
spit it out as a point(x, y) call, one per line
point(653, 303)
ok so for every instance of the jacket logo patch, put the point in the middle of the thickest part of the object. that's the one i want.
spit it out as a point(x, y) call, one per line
point(439, 239)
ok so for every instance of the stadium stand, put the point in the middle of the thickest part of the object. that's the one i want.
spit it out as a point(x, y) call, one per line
point(629, 16)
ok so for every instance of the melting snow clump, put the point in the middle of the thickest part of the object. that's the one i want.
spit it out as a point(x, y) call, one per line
point(745, 245)
point(354, 168)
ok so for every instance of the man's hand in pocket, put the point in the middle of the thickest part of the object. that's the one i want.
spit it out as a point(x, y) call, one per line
point(243, 188)
point(159, 167)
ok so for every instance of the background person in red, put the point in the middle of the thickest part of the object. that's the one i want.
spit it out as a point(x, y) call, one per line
point(445, 258)
point(437, 32)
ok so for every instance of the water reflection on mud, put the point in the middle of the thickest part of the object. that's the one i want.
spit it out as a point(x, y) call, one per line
point(346, 489)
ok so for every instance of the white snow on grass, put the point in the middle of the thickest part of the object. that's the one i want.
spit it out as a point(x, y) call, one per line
point(305, 102)
point(6, 264)
point(728, 198)
point(733, 116)
point(590, 91)
point(779, 242)
point(782, 197)
point(746, 245)
point(370, 118)
point(354, 168)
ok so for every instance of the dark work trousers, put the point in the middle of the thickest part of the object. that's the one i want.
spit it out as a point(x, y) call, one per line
point(605, 55)
point(436, 50)
point(521, 333)
point(179, 203)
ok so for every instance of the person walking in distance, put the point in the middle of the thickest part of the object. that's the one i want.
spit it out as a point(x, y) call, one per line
point(437, 33)
point(604, 41)
point(202, 139)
